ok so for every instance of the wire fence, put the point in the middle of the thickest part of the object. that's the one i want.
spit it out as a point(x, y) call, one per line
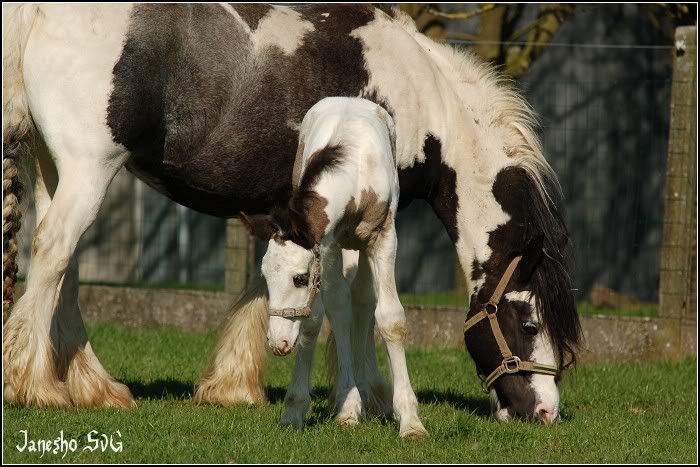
point(605, 134)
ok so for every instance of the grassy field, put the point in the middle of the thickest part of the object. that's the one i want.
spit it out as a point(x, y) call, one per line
point(612, 413)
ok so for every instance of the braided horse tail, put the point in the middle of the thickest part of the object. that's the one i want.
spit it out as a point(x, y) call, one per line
point(11, 216)
point(17, 20)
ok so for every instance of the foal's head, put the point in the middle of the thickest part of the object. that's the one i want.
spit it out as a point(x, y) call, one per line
point(291, 267)
point(536, 313)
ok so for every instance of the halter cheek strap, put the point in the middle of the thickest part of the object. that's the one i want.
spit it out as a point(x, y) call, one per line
point(510, 363)
point(314, 287)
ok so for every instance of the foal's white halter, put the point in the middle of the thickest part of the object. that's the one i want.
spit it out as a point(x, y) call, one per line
point(314, 287)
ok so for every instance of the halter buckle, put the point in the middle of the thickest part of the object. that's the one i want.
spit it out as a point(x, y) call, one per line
point(489, 306)
point(511, 364)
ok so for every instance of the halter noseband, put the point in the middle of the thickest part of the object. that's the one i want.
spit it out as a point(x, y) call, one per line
point(314, 287)
point(510, 363)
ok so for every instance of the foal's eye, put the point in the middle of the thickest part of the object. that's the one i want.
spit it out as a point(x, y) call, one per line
point(530, 328)
point(301, 280)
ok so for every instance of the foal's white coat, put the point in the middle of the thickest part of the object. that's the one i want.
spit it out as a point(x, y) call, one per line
point(365, 133)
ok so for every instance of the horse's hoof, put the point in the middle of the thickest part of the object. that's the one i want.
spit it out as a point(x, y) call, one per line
point(292, 420)
point(49, 396)
point(414, 432)
point(228, 392)
point(107, 394)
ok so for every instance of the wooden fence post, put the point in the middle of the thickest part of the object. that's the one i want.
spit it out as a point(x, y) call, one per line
point(240, 257)
point(676, 293)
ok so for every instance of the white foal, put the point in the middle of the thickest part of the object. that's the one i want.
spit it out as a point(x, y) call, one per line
point(346, 192)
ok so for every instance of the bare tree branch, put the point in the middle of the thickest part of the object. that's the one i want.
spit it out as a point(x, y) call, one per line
point(464, 14)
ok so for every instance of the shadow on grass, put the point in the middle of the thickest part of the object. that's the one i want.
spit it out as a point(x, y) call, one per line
point(161, 389)
point(479, 406)
point(320, 410)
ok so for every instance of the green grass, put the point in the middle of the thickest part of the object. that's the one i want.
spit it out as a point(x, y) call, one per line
point(649, 310)
point(626, 413)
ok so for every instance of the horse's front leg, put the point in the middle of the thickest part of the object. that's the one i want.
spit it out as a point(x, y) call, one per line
point(298, 398)
point(391, 321)
point(337, 300)
point(44, 339)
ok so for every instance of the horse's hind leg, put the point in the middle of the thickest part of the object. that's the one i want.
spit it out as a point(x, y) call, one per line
point(44, 339)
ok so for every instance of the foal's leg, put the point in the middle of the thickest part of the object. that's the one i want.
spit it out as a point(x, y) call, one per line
point(391, 320)
point(298, 396)
point(336, 296)
point(32, 350)
point(376, 394)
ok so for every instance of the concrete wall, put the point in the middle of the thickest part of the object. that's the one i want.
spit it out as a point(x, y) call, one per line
point(607, 338)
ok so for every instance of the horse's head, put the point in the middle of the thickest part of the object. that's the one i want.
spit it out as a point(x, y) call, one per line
point(291, 267)
point(522, 326)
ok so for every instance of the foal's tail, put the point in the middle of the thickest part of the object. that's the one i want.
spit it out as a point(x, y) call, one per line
point(236, 368)
point(17, 124)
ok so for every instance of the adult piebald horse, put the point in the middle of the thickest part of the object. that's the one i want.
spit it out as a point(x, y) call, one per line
point(203, 102)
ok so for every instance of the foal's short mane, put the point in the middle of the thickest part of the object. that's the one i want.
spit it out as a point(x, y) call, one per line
point(295, 220)
point(321, 161)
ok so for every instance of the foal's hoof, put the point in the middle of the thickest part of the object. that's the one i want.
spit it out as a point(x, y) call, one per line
point(415, 432)
point(347, 420)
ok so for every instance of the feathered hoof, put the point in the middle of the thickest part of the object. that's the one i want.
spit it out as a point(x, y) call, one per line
point(49, 395)
point(107, 393)
point(228, 393)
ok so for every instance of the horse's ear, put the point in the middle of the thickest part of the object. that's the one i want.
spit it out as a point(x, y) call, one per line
point(532, 254)
point(259, 226)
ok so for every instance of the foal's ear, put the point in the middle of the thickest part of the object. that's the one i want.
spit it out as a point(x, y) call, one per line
point(300, 230)
point(259, 226)
point(532, 254)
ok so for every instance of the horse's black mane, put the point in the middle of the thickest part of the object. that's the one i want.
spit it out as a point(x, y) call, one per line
point(537, 211)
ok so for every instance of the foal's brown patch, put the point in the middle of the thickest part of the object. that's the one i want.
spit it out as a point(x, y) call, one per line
point(363, 221)
point(315, 214)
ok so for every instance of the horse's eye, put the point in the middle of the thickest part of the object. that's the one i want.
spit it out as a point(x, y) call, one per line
point(301, 280)
point(530, 328)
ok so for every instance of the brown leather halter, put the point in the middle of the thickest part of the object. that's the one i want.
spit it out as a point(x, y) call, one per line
point(510, 363)
point(314, 287)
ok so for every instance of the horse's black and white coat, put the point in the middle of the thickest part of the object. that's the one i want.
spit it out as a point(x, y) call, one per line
point(204, 103)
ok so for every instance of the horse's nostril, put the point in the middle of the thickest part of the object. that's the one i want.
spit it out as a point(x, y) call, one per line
point(285, 344)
